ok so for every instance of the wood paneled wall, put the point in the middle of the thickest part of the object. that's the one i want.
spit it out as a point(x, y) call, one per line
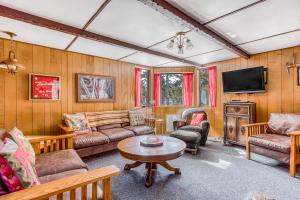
point(283, 93)
point(43, 117)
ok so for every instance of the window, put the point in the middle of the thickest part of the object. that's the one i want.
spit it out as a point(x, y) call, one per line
point(171, 89)
point(145, 90)
point(203, 83)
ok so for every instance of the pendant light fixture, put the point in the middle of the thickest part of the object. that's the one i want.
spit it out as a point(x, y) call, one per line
point(11, 63)
point(181, 42)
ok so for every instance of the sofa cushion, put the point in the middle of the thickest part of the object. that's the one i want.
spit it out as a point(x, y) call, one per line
point(117, 134)
point(108, 126)
point(136, 118)
point(283, 123)
point(58, 161)
point(52, 177)
point(66, 195)
point(187, 136)
point(140, 130)
point(274, 142)
point(90, 139)
point(191, 128)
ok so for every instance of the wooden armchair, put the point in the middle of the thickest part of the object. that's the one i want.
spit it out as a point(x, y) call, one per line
point(261, 128)
point(45, 144)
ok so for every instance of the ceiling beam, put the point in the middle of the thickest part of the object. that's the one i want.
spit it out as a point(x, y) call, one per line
point(46, 23)
point(100, 9)
point(198, 25)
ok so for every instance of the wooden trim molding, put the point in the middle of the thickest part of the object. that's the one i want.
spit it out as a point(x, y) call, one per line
point(46, 23)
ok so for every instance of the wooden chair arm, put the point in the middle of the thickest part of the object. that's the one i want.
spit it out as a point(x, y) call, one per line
point(66, 129)
point(296, 133)
point(45, 144)
point(255, 129)
point(151, 122)
point(69, 184)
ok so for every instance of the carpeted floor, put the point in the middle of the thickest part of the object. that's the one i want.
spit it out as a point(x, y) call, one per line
point(217, 173)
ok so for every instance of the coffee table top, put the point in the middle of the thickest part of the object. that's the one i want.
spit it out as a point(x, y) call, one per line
point(172, 148)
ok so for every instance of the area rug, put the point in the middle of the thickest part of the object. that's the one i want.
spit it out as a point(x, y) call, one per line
point(217, 173)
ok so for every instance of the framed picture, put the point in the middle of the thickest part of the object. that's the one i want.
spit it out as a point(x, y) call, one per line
point(298, 76)
point(44, 87)
point(95, 88)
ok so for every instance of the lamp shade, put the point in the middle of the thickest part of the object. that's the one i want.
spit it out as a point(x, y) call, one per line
point(11, 63)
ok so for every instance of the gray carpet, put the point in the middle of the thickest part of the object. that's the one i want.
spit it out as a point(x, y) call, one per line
point(217, 173)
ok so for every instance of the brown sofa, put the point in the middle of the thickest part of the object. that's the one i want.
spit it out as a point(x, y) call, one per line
point(62, 173)
point(278, 139)
point(107, 129)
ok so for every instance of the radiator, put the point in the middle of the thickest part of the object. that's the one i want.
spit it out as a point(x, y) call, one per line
point(169, 122)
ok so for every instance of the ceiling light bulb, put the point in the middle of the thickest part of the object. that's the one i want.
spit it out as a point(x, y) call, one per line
point(170, 46)
point(180, 49)
point(189, 44)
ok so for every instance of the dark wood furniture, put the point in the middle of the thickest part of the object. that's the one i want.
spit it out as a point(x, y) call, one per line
point(131, 149)
point(237, 114)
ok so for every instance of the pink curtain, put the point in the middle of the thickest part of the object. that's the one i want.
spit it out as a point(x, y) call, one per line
point(157, 89)
point(212, 85)
point(137, 87)
point(187, 89)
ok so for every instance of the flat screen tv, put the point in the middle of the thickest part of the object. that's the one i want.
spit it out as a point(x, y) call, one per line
point(250, 80)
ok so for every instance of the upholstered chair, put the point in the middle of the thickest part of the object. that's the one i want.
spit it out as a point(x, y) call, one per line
point(279, 139)
point(195, 120)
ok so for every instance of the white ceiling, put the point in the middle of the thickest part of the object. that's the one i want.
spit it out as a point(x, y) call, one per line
point(82, 45)
point(35, 34)
point(133, 22)
point(206, 10)
point(71, 12)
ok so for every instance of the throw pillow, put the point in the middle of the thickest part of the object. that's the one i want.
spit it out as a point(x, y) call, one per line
point(283, 123)
point(78, 122)
point(16, 170)
point(18, 137)
point(196, 119)
point(136, 118)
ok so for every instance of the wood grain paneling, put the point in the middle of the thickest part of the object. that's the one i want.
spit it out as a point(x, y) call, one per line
point(283, 94)
point(282, 91)
point(43, 117)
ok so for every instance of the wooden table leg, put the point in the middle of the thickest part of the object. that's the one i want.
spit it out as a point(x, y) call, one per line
point(170, 168)
point(151, 169)
point(133, 165)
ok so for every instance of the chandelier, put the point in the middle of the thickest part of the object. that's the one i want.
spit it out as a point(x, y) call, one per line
point(181, 42)
point(11, 63)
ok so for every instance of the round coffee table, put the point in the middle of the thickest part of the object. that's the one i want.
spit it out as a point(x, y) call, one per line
point(131, 149)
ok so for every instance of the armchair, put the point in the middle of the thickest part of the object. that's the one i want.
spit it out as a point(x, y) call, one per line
point(184, 124)
point(263, 140)
point(79, 184)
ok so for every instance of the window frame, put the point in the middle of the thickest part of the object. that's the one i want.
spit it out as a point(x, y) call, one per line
point(161, 94)
point(200, 88)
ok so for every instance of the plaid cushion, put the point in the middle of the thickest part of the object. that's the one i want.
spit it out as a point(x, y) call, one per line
point(136, 118)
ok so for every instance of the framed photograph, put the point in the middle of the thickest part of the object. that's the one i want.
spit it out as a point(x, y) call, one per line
point(298, 76)
point(44, 87)
point(95, 88)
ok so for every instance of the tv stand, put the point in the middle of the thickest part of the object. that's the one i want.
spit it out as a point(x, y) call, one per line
point(236, 114)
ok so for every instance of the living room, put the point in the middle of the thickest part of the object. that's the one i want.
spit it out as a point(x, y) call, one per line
point(149, 99)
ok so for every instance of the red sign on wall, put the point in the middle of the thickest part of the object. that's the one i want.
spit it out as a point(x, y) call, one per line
point(44, 87)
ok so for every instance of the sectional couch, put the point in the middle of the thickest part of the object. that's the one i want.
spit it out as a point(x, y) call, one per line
point(106, 130)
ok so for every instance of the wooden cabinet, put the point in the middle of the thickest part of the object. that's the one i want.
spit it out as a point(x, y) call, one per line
point(237, 114)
